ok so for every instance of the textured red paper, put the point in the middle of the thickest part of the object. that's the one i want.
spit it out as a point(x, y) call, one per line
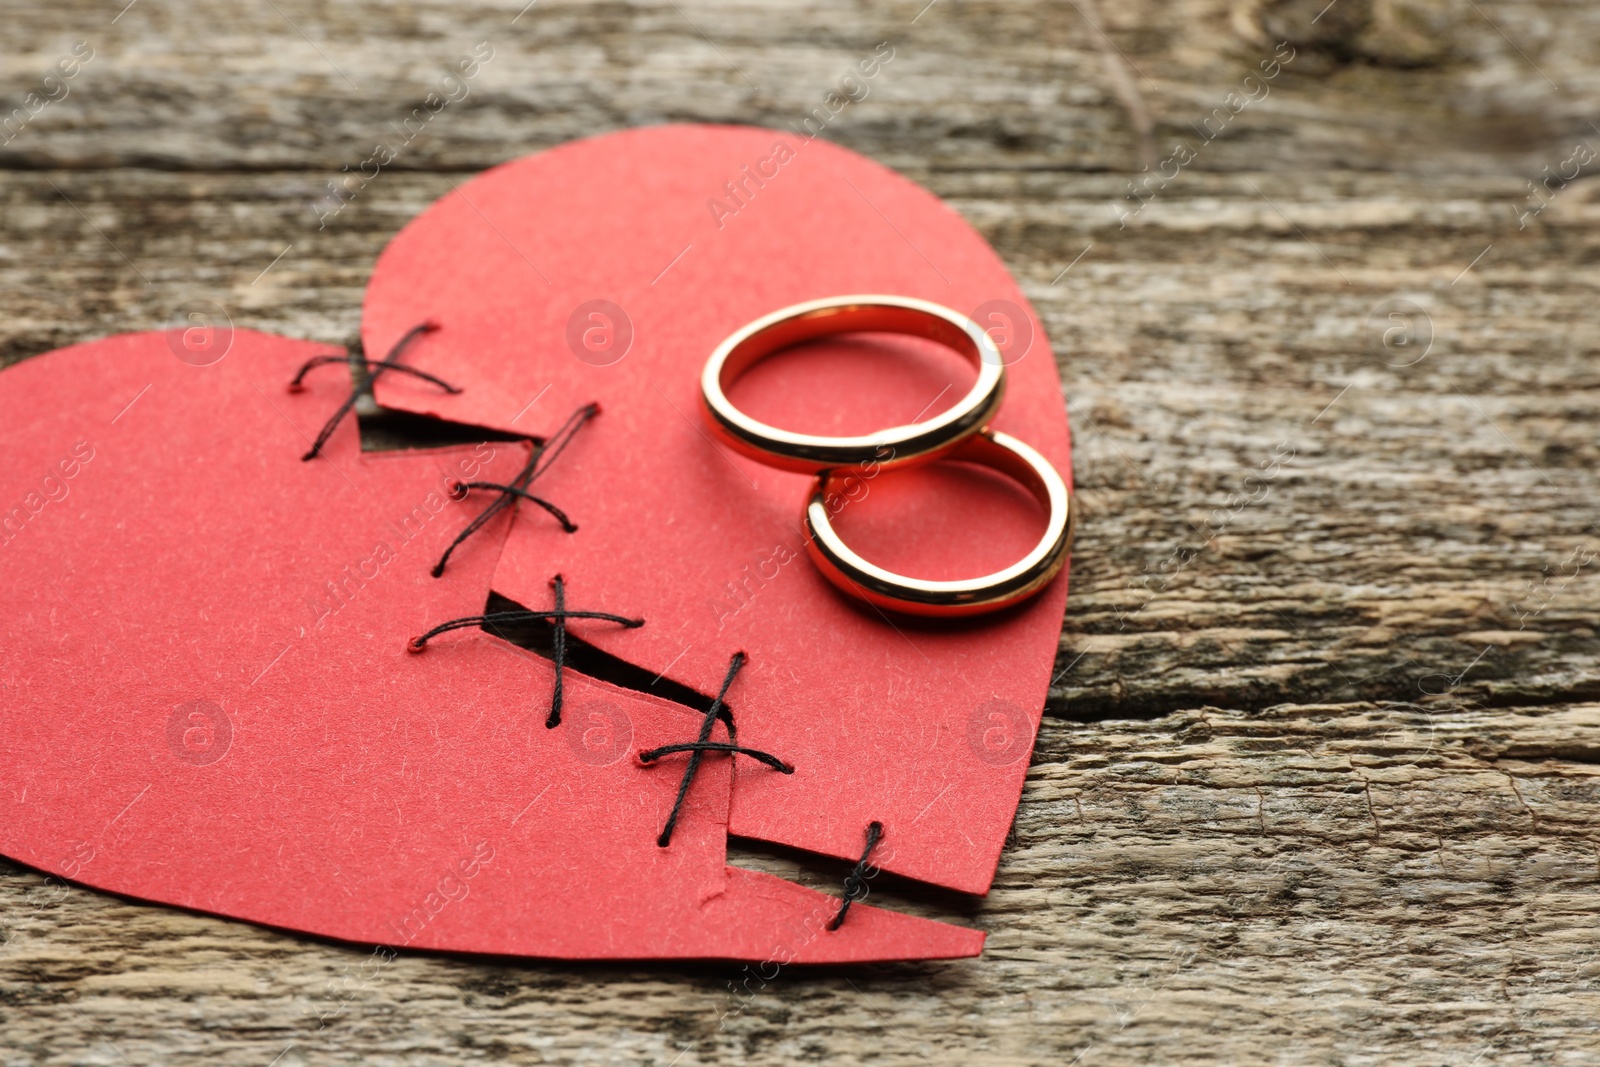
point(207, 700)
point(924, 727)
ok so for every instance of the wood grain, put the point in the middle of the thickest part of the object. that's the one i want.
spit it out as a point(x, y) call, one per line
point(1317, 778)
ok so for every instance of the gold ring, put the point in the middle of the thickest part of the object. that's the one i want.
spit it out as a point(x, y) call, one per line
point(895, 446)
point(968, 596)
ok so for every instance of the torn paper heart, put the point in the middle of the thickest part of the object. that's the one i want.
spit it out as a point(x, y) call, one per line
point(209, 702)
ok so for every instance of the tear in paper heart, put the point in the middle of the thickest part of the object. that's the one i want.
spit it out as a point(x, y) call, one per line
point(608, 270)
point(208, 700)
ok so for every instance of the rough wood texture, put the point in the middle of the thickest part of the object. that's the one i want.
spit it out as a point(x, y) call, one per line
point(1317, 783)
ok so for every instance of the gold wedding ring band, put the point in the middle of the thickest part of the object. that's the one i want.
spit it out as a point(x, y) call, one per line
point(895, 446)
point(968, 596)
point(960, 433)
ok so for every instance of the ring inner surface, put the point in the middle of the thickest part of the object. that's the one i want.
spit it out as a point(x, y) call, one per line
point(852, 319)
point(1018, 525)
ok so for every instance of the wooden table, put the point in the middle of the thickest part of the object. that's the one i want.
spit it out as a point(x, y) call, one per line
point(1318, 780)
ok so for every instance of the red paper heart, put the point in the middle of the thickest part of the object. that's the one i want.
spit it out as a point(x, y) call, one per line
point(674, 237)
point(207, 699)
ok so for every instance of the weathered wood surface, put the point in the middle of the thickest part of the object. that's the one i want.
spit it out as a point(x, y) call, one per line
point(1317, 782)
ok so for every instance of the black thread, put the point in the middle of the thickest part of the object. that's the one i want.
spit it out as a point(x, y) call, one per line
point(538, 462)
point(703, 744)
point(558, 617)
point(368, 366)
point(558, 651)
point(370, 373)
point(855, 883)
point(566, 524)
point(510, 618)
point(716, 746)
